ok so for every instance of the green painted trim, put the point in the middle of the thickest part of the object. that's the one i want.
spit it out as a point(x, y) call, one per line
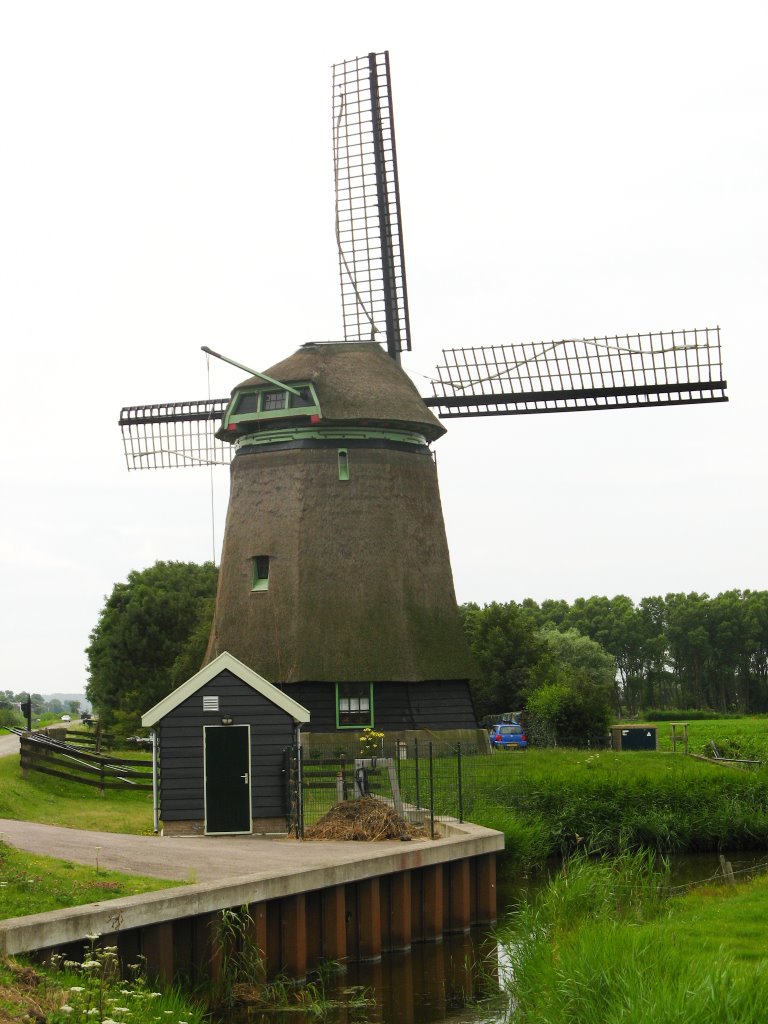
point(330, 434)
point(368, 725)
point(343, 455)
point(259, 583)
point(231, 416)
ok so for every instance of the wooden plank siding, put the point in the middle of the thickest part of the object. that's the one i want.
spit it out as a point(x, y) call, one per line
point(182, 752)
point(397, 706)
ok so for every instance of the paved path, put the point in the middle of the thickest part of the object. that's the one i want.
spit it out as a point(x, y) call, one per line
point(9, 744)
point(204, 859)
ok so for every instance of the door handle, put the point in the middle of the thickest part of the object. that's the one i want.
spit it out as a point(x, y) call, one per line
point(245, 778)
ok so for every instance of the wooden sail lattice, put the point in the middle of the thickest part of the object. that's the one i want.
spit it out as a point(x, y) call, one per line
point(578, 375)
point(374, 296)
point(174, 434)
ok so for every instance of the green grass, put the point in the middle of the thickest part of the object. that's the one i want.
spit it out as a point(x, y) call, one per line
point(602, 943)
point(31, 884)
point(53, 801)
point(550, 802)
point(735, 737)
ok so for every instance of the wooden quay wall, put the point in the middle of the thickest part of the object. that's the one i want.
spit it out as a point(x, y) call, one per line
point(394, 895)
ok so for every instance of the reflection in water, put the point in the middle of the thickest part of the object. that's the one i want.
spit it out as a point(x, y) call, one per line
point(437, 981)
point(455, 980)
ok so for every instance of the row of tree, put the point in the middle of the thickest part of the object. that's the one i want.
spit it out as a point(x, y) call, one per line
point(680, 651)
point(569, 663)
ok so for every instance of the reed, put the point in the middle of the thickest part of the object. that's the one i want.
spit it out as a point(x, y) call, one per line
point(602, 942)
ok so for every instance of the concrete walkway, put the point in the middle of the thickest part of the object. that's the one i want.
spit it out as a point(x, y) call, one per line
point(204, 859)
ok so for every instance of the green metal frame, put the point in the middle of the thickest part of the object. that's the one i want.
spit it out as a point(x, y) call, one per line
point(239, 419)
point(316, 433)
point(259, 583)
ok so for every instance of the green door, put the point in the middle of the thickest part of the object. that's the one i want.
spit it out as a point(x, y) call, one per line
point(227, 778)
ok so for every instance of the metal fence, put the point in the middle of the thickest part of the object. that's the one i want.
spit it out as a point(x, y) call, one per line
point(424, 782)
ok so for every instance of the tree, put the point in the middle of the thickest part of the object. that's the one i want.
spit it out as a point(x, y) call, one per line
point(572, 688)
point(144, 627)
point(502, 638)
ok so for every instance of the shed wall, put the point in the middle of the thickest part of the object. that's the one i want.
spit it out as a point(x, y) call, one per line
point(181, 749)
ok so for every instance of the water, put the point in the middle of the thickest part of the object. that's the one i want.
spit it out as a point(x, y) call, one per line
point(453, 981)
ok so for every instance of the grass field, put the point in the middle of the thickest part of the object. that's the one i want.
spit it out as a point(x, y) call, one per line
point(735, 737)
point(53, 801)
point(30, 884)
point(602, 943)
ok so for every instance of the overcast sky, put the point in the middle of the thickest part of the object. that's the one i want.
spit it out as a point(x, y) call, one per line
point(566, 170)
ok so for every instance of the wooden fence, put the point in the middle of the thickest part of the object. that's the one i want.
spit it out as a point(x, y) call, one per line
point(50, 758)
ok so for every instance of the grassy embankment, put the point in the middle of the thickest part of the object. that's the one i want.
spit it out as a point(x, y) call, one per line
point(53, 801)
point(91, 990)
point(745, 736)
point(602, 942)
point(551, 802)
point(31, 884)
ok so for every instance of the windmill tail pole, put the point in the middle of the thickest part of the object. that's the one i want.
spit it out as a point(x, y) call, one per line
point(248, 369)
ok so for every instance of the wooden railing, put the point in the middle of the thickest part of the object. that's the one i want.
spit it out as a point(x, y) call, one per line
point(50, 758)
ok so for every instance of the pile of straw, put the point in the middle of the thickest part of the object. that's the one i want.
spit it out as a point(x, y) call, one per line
point(366, 820)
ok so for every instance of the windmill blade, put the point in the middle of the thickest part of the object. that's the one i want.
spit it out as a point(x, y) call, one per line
point(577, 375)
point(374, 295)
point(174, 434)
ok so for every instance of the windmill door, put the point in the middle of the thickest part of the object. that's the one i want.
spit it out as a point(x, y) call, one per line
point(227, 778)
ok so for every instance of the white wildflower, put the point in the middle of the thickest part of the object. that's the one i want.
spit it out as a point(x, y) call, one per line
point(66, 1008)
point(77, 988)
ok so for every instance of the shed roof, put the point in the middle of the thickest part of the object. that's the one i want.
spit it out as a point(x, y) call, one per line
point(209, 672)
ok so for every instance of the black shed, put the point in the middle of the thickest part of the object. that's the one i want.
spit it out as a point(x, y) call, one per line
point(220, 742)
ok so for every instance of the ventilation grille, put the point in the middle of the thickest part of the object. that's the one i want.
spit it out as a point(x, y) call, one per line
point(211, 703)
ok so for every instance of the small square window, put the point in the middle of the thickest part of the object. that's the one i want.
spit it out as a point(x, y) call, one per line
point(260, 572)
point(272, 400)
point(354, 705)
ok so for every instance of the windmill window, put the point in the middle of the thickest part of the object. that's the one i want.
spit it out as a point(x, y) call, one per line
point(354, 705)
point(260, 577)
point(303, 398)
point(247, 404)
point(272, 400)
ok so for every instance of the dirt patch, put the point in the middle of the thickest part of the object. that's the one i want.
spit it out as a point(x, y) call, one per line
point(366, 820)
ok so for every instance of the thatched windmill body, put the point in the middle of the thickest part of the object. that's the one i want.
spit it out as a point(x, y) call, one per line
point(335, 578)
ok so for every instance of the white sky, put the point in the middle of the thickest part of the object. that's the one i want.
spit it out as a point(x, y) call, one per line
point(566, 170)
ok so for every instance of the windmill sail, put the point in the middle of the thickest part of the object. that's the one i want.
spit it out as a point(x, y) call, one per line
point(174, 434)
point(578, 375)
point(374, 296)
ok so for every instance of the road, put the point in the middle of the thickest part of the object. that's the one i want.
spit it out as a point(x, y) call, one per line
point(9, 744)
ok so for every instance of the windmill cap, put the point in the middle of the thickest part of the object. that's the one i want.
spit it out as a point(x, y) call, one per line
point(356, 383)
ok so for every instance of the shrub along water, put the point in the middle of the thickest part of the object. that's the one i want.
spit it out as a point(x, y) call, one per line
point(550, 802)
point(603, 942)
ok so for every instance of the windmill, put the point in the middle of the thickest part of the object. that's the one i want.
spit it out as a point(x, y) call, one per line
point(335, 579)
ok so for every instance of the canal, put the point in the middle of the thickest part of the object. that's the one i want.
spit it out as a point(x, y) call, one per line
point(457, 979)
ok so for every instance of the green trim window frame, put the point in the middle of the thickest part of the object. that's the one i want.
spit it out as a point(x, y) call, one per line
point(269, 403)
point(260, 572)
point(354, 705)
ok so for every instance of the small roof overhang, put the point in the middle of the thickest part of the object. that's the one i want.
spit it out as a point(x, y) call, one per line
point(209, 672)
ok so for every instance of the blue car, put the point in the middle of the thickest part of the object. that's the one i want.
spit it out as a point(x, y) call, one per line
point(508, 736)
